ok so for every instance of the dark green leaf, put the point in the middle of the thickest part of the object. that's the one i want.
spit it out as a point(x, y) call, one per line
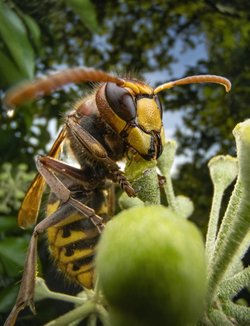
point(14, 35)
point(12, 254)
point(7, 223)
point(10, 73)
point(86, 11)
point(33, 28)
point(7, 297)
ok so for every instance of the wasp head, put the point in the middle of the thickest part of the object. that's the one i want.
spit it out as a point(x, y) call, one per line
point(135, 113)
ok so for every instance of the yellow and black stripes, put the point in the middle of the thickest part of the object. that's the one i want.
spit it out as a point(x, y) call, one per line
point(73, 247)
point(73, 241)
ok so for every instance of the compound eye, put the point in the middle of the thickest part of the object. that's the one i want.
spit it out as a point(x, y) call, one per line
point(120, 101)
point(158, 102)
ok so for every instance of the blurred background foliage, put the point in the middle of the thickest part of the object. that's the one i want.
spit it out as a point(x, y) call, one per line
point(37, 37)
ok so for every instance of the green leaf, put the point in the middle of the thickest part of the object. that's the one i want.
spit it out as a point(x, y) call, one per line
point(7, 223)
point(12, 253)
point(33, 28)
point(9, 72)
point(86, 11)
point(7, 297)
point(15, 38)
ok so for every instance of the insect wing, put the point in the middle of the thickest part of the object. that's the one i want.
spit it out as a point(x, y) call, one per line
point(30, 207)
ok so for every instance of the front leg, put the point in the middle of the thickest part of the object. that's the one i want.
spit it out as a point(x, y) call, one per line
point(98, 152)
point(64, 194)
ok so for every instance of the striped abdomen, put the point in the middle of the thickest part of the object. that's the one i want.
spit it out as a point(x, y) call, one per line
point(73, 241)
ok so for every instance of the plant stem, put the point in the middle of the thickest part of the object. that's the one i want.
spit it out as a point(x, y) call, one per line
point(230, 287)
point(92, 320)
point(103, 315)
point(78, 313)
point(213, 221)
point(43, 292)
point(226, 252)
point(230, 215)
point(169, 191)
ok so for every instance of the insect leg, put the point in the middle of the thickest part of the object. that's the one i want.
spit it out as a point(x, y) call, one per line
point(69, 171)
point(64, 194)
point(26, 292)
point(93, 146)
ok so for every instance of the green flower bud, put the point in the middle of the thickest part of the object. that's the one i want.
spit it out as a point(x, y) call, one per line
point(151, 268)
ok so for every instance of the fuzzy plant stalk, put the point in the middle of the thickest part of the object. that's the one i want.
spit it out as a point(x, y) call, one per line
point(239, 221)
point(165, 163)
point(223, 170)
point(88, 304)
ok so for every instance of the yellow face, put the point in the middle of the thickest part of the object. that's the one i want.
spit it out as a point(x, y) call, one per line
point(147, 134)
point(134, 112)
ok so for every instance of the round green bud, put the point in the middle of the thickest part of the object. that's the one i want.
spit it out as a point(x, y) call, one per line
point(151, 268)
